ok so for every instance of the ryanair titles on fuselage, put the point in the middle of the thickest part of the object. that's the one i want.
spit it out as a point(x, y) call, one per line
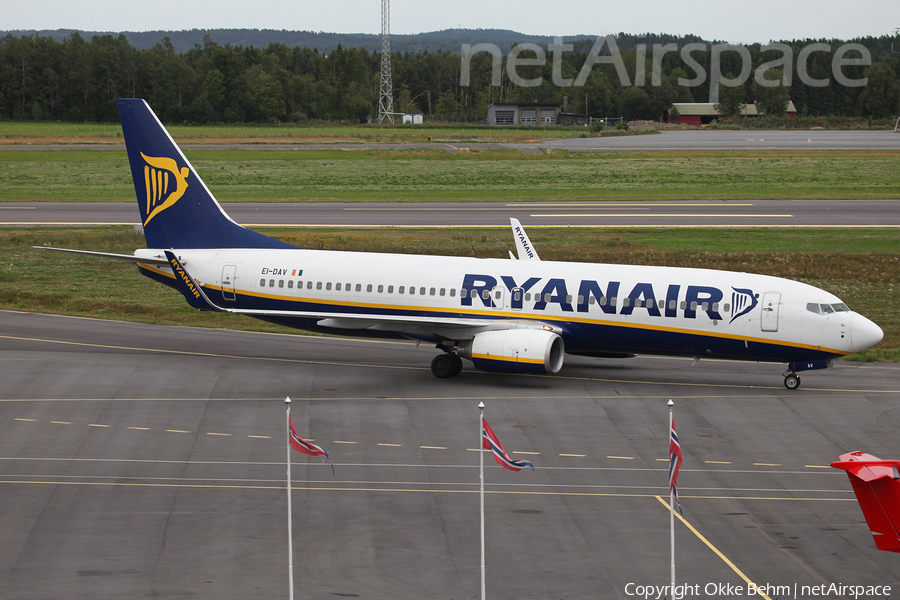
point(609, 297)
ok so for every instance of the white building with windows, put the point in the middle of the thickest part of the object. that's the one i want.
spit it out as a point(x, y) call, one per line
point(525, 113)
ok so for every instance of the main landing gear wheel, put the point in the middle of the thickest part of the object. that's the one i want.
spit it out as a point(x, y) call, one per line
point(446, 365)
point(792, 381)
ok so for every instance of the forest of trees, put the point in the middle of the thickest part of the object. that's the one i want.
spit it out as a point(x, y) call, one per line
point(76, 80)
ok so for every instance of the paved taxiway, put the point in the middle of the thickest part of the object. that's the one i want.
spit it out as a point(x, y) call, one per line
point(140, 461)
point(746, 213)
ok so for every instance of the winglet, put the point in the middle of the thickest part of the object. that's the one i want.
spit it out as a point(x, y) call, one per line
point(191, 290)
point(875, 483)
point(524, 247)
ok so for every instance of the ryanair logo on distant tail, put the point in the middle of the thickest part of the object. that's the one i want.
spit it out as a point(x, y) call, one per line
point(165, 183)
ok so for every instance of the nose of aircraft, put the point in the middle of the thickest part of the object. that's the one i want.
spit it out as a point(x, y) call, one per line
point(864, 333)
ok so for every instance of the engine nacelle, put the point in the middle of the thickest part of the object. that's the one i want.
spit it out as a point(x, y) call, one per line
point(515, 351)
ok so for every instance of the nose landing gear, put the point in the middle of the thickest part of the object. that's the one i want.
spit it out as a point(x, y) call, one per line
point(791, 380)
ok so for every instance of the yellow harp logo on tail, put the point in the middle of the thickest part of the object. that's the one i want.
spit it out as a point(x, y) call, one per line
point(165, 183)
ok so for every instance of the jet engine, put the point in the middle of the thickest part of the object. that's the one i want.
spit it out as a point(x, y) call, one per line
point(515, 351)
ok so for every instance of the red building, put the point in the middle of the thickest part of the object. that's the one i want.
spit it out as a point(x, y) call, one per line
point(701, 113)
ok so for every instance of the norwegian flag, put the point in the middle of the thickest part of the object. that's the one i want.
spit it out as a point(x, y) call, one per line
point(301, 445)
point(490, 441)
point(675, 460)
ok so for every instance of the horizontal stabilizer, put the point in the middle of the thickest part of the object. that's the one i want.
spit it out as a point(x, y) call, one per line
point(876, 484)
point(191, 290)
point(128, 257)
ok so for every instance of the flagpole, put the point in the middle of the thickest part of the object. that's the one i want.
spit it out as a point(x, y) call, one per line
point(481, 481)
point(287, 402)
point(672, 508)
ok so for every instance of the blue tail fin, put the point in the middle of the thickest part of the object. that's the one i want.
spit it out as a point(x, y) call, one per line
point(177, 209)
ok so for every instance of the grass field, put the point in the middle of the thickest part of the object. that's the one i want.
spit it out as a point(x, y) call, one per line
point(861, 267)
point(501, 175)
point(27, 132)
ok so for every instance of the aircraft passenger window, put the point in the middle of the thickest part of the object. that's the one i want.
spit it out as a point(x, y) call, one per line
point(569, 299)
point(309, 285)
point(401, 289)
point(358, 287)
point(626, 302)
point(528, 296)
point(704, 306)
point(684, 304)
point(661, 304)
point(693, 306)
point(547, 297)
point(497, 294)
point(380, 289)
point(517, 295)
point(431, 291)
point(591, 300)
point(422, 291)
point(487, 295)
point(328, 286)
point(443, 292)
point(602, 300)
point(281, 283)
point(390, 289)
point(412, 290)
point(715, 306)
point(318, 285)
point(369, 288)
point(271, 283)
point(671, 305)
point(348, 287)
point(453, 292)
point(826, 309)
point(337, 287)
point(290, 284)
point(262, 283)
point(727, 307)
point(612, 301)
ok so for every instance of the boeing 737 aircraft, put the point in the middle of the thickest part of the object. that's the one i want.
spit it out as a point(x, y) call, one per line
point(514, 315)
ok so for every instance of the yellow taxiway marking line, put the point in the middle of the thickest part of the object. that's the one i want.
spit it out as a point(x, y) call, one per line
point(176, 431)
point(662, 460)
point(98, 425)
point(817, 466)
point(140, 428)
point(213, 433)
point(705, 215)
point(392, 445)
point(716, 462)
point(339, 442)
point(62, 422)
point(260, 437)
point(711, 547)
point(575, 455)
point(21, 419)
point(524, 452)
point(478, 450)
point(432, 447)
point(766, 464)
point(622, 457)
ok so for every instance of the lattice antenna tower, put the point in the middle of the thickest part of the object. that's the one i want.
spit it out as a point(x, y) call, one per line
point(386, 94)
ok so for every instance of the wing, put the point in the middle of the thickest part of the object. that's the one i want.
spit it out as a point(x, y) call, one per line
point(449, 328)
point(524, 247)
point(876, 484)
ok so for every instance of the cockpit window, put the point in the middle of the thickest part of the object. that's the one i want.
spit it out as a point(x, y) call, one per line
point(826, 309)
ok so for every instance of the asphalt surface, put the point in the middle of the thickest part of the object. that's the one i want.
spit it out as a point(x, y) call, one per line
point(141, 461)
point(755, 213)
point(675, 139)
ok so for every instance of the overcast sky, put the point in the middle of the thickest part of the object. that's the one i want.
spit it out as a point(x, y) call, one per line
point(736, 22)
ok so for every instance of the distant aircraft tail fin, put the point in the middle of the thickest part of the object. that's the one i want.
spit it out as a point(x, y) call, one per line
point(876, 484)
point(177, 209)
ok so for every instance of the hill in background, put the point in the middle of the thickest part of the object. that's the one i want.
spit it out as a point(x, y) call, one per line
point(448, 40)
